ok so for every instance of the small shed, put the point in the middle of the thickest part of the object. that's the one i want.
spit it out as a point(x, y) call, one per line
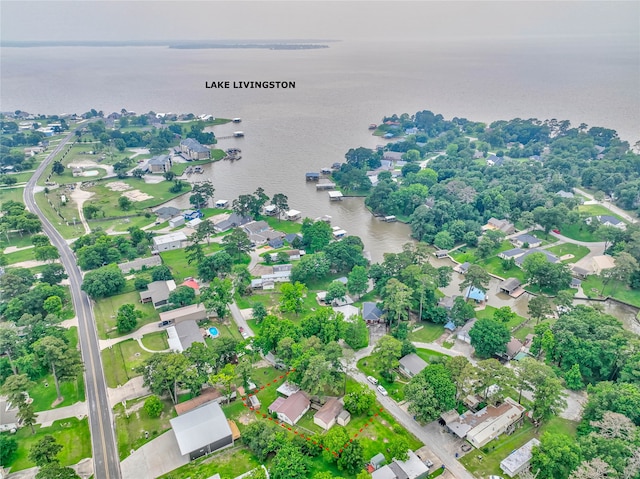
point(343, 418)
point(378, 460)
point(462, 268)
point(254, 401)
point(441, 253)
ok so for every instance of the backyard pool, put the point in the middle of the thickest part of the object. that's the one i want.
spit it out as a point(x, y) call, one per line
point(213, 332)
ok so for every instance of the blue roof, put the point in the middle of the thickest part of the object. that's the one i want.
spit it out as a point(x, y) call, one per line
point(370, 312)
point(450, 326)
point(475, 294)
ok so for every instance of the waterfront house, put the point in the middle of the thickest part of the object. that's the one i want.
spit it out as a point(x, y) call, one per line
point(159, 164)
point(392, 156)
point(602, 262)
point(167, 212)
point(511, 253)
point(194, 150)
point(564, 194)
point(233, 221)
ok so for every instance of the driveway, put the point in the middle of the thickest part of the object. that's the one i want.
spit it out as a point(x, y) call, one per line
point(608, 205)
point(595, 249)
point(155, 458)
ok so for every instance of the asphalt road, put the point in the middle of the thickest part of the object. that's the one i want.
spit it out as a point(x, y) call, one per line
point(106, 462)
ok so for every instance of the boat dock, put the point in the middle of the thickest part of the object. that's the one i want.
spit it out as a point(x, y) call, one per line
point(335, 195)
point(325, 186)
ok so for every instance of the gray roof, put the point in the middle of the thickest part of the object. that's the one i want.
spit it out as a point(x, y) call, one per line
point(512, 252)
point(256, 227)
point(193, 145)
point(609, 219)
point(550, 257)
point(510, 284)
point(167, 212)
point(413, 363)
point(160, 160)
point(291, 237)
point(188, 333)
point(158, 290)
point(378, 459)
point(200, 427)
point(233, 221)
point(526, 238)
point(464, 266)
point(371, 312)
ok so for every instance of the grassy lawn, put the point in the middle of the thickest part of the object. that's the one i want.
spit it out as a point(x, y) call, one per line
point(20, 256)
point(489, 311)
point(428, 355)
point(177, 262)
point(229, 463)
point(44, 392)
point(72, 434)
point(576, 250)
point(598, 210)
point(493, 265)
point(131, 429)
point(593, 285)
point(429, 332)
point(67, 231)
point(120, 224)
point(11, 194)
point(497, 450)
point(122, 359)
point(283, 225)
point(105, 311)
point(371, 366)
point(224, 330)
point(156, 341)
point(580, 232)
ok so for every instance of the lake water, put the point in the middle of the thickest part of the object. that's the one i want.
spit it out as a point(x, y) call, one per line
point(339, 92)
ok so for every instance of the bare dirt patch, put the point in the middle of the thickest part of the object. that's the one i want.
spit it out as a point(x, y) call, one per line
point(246, 418)
point(136, 195)
point(90, 173)
point(118, 186)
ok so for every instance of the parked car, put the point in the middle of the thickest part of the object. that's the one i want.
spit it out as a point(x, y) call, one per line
point(383, 391)
point(372, 380)
point(164, 323)
point(556, 231)
point(466, 447)
point(495, 477)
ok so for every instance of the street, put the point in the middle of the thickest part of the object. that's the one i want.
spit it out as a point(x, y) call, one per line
point(105, 452)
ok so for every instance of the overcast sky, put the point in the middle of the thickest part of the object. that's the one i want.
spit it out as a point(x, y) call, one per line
point(390, 19)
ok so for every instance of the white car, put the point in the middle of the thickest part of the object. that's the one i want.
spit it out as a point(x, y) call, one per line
point(495, 477)
point(382, 391)
point(372, 380)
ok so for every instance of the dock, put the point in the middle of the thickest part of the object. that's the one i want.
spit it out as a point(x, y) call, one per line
point(222, 203)
point(325, 186)
point(293, 215)
point(389, 219)
point(325, 218)
point(312, 176)
point(335, 195)
point(338, 232)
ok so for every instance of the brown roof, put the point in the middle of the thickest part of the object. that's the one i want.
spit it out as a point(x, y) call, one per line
point(207, 395)
point(513, 347)
point(329, 411)
point(292, 406)
point(235, 432)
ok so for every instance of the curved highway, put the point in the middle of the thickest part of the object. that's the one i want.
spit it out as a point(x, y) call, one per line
point(106, 462)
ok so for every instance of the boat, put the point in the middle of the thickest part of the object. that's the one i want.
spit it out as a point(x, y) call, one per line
point(237, 120)
point(373, 126)
point(238, 134)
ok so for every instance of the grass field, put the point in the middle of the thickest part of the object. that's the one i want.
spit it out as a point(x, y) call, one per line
point(67, 231)
point(371, 366)
point(229, 463)
point(11, 194)
point(429, 332)
point(598, 210)
point(493, 265)
point(121, 359)
point(577, 251)
point(178, 264)
point(44, 392)
point(489, 311)
point(105, 311)
point(616, 289)
point(130, 430)
point(72, 434)
point(20, 256)
point(156, 341)
point(283, 225)
point(580, 232)
point(120, 224)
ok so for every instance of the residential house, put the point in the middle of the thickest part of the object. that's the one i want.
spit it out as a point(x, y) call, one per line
point(167, 212)
point(276, 243)
point(519, 460)
point(327, 415)
point(481, 427)
point(463, 333)
point(565, 194)
point(348, 311)
point(183, 335)
point(169, 241)
point(412, 468)
point(260, 232)
point(412, 364)
point(501, 225)
point(579, 272)
point(371, 313)
point(551, 258)
point(159, 164)
point(233, 221)
point(193, 312)
point(447, 302)
point(291, 237)
point(494, 160)
point(202, 431)
point(602, 262)
point(392, 155)
point(512, 287)
point(194, 150)
point(514, 346)
point(526, 240)
point(291, 409)
point(157, 293)
point(139, 263)
point(511, 253)
point(608, 220)
point(450, 326)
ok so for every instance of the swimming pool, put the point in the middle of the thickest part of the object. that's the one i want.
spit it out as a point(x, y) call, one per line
point(214, 332)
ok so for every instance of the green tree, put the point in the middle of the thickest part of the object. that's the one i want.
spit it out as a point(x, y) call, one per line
point(202, 192)
point(46, 253)
point(27, 415)
point(489, 337)
point(556, 456)
point(8, 448)
point(262, 438)
point(292, 297)
point(359, 400)
point(104, 282)
point(182, 296)
point(164, 373)
point(504, 314)
point(389, 351)
point(153, 406)
point(45, 451)
point(10, 344)
point(397, 300)
point(358, 281)
point(15, 387)
point(351, 458)
point(124, 203)
point(540, 307)
point(217, 296)
point(236, 243)
point(461, 311)
point(161, 273)
point(63, 362)
point(194, 251)
point(225, 378)
point(334, 440)
point(218, 264)
point(281, 202)
point(53, 273)
point(573, 378)
point(399, 449)
point(57, 167)
point(336, 290)
point(310, 266)
point(316, 235)
point(356, 333)
point(53, 305)
point(56, 471)
point(127, 318)
point(444, 240)
point(289, 463)
point(259, 312)
point(431, 392)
